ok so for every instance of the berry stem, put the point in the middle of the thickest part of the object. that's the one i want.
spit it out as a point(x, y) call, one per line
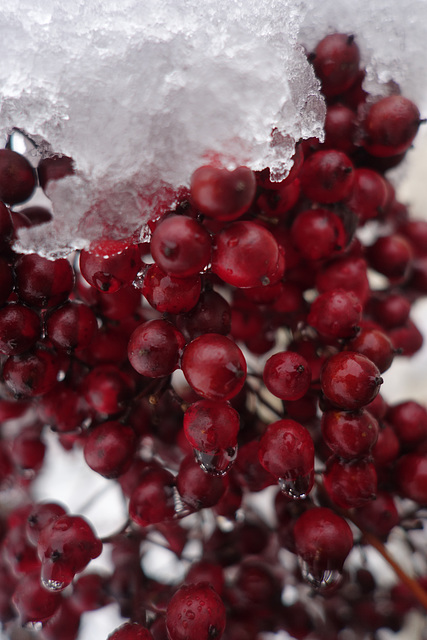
point(412, 584)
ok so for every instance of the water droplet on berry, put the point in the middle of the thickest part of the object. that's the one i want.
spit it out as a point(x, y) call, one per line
point(218, 463)
point(190, 615)
point(321, 581)
point(106, 282)
point(52, 585)
point(296, 488)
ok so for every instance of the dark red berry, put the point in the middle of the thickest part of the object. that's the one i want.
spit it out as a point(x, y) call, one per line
point(195, 612)
point(154, 348)
point(222, 194)
point(109, 449)
point(390, 126)
point(336, 63)
point(17, 177)
point(327, 176)
point(287, 375)
point(350, 380)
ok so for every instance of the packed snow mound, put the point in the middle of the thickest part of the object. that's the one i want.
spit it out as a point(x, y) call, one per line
point(142, 93)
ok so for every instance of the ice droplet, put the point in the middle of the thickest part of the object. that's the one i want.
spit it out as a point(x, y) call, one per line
point(322, 580)
point(34, 626)
point(296, 488)
point(218, 463)
point(52, 585)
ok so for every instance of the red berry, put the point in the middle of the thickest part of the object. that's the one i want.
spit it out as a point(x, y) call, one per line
point(211, 425)
point(214, 367)
point(350, 484)
point(323, 541)
point(130, 631)
point(390, 126)
point(350, 380)
point(195, 612)
point(246, 254)
point(327, 176)
point(17, 177)
point(109, 265)
point(154, 348)
point(180, 246)
point(287, 375)
point(286, 450)
point(336, 63)
point(223, 194)
point(349, 434)
point(109, 449)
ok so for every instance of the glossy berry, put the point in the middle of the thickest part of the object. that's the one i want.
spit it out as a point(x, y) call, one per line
point(327, 176)
point(246, 254)
point(336, 314)
point(211, 425)
point(180, 246)
point(318, 234)
point(336, 63)
point(130, 631)
point(368, 198)
point(41, 515)
point(350, 484)
point(169, 294)
point(350, 380)
point(109, 449)
point(286, 450)
point(349, 434)
point(41, 282)
point(376, 346)
point(323, 540)
point(154, 348)
point(17, 177)
point(109, 264)
point(196, 488)
point(214, 367)
point(287, 375)
point(195, 612)
point(65, 546)
point(390, 126)
point(222, 194)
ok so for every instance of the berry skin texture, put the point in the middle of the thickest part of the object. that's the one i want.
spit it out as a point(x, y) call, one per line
point(33, 602)
point(349, 434)
point(109, 265)
point(65, 546)
point(390, 126)
point(195, 612)
point(223, 194)
point(214, 367)
point(180, 246)
point(169, 294)
point(210, 425)
point(336, 63)
point(350, 484)
point(318, 234)
point(336, 314)
point(327, 176)
point(323, 541)
point(245, 255)
point(154, 348)
point(350, 380)
point(287, 375)
point(286, 450)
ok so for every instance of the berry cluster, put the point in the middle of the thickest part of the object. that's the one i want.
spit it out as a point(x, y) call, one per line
point(137, 354)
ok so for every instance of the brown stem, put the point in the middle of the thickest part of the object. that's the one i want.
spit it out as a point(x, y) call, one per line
point(415, 588)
